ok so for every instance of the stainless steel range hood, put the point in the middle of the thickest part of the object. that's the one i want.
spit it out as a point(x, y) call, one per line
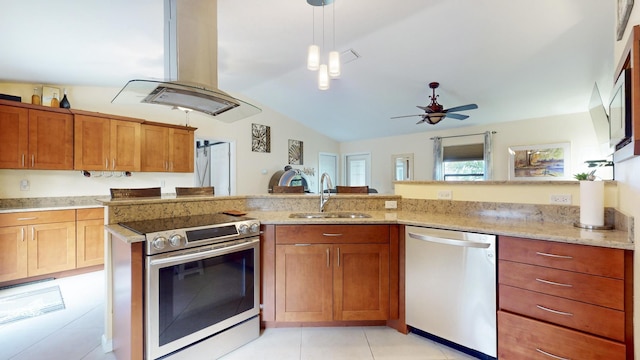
point(191, 66)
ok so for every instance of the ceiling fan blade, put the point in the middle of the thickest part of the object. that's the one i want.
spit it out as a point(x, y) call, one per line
point(462, 108)
point(456, 116)
point(425, 108)
point(405, 116)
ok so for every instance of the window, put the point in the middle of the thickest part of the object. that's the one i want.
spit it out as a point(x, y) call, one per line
point(463, 162)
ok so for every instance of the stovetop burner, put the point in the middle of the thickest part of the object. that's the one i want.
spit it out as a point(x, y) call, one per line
point(143, 227)
point(171, 234)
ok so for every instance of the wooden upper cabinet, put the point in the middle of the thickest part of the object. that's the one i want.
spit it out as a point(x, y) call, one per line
point(106, 144)
point(181, 150)
point(166, 149)
point(36, 139)
point(154, 148)
point(50, 140)
point(14, 137)
point(91, 143)
point(125, 145)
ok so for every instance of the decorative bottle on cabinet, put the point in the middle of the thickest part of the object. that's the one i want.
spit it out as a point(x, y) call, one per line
point(54, 100)
point(35, 98)
point(64, 103)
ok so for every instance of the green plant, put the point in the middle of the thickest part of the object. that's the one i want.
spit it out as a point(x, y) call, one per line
point(581, 176)
point(585, 176)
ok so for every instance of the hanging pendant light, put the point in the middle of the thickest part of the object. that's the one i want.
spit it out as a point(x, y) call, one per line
point(334, 56)
point(325, 73)
point(334, 64)
point(313, 54)
point(323, 77)
point(313, 58)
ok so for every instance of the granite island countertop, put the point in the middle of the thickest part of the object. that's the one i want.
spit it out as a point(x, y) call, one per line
point(505, 227)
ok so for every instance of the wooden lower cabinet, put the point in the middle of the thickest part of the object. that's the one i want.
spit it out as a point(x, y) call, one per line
point(325, 282)
point(90, 237)
point(522, 338)
point(564, 301)
point(13, 253)
point(38, 243)
point(51, 248)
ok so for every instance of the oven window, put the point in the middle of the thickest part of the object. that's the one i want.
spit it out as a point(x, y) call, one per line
point(195, 295)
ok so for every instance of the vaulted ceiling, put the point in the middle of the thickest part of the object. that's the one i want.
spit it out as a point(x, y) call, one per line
point(515, 59)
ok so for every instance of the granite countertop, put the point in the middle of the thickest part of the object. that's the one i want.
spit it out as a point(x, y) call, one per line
point(509, 227)
point(47, 204)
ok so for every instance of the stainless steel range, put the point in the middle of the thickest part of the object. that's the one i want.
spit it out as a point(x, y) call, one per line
point(201, 285)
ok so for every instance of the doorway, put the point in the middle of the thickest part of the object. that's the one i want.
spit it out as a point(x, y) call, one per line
point(328, 163)
point(215, 165)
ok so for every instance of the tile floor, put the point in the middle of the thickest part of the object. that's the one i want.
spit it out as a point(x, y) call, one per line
point(75, 334)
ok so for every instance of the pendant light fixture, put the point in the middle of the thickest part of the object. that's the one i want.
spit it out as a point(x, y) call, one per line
point(314, 56)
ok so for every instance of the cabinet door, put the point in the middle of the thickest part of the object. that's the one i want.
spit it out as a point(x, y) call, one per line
point(154, 148)
point(90, 243)
point(125, 145)
point(303, 283)
point(50, 140)
point(14, 137)
point(181, 150)
point(51, 248)
point(361, 282)
point(91, 143)
point(13, 253)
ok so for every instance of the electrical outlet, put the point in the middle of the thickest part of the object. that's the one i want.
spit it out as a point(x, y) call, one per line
point(24, 185)
point(390, 204)
point(560, 199)
point(445, 194)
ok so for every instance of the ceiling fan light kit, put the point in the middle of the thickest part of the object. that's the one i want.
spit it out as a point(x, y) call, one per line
point(314, 58)
point(434, 112)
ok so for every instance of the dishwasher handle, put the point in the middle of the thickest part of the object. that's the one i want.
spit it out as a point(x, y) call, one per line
point(454, 242)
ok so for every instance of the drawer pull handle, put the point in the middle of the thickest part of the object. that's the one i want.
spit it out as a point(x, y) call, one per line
point(554, 255)
point(554, 311)
point(551, 355)
point(327, 234)
point(553, 283)
point(302, 244)
point(27, 218)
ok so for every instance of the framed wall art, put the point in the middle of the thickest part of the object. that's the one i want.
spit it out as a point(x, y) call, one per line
point(295, 152)
point(540, 162)
point(624, 10)
point(260, 138)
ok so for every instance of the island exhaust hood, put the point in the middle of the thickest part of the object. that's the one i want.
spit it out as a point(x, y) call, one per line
point(191, 54)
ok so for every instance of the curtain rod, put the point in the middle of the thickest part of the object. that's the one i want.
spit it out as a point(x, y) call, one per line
point(454, 136)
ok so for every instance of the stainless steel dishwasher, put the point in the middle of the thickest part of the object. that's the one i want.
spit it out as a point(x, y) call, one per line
point(451, 288)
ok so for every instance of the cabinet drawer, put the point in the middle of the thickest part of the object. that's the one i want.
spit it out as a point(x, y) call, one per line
point(593, 319)
point(581, 258)
point(90, 214)
point(523, 338)
point(331, 234)
point(36, 217)
point(591, 289)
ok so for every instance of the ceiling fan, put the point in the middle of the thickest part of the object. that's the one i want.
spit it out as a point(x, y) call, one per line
point(435, 112)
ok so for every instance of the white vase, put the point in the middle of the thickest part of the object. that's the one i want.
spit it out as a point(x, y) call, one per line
point(592, 203)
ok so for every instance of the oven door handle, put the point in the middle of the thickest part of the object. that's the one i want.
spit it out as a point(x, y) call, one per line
point(199, 254)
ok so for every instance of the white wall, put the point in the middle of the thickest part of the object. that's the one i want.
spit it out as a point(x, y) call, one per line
point(250, 179)
point(576, 129)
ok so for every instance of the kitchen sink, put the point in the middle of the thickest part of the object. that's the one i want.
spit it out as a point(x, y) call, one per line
point(329, 215)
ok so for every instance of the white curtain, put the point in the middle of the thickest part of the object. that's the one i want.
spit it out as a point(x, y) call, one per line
point(488, 156)
point(438, 171)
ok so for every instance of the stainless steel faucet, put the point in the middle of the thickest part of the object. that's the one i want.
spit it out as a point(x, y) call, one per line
point(324, 200)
